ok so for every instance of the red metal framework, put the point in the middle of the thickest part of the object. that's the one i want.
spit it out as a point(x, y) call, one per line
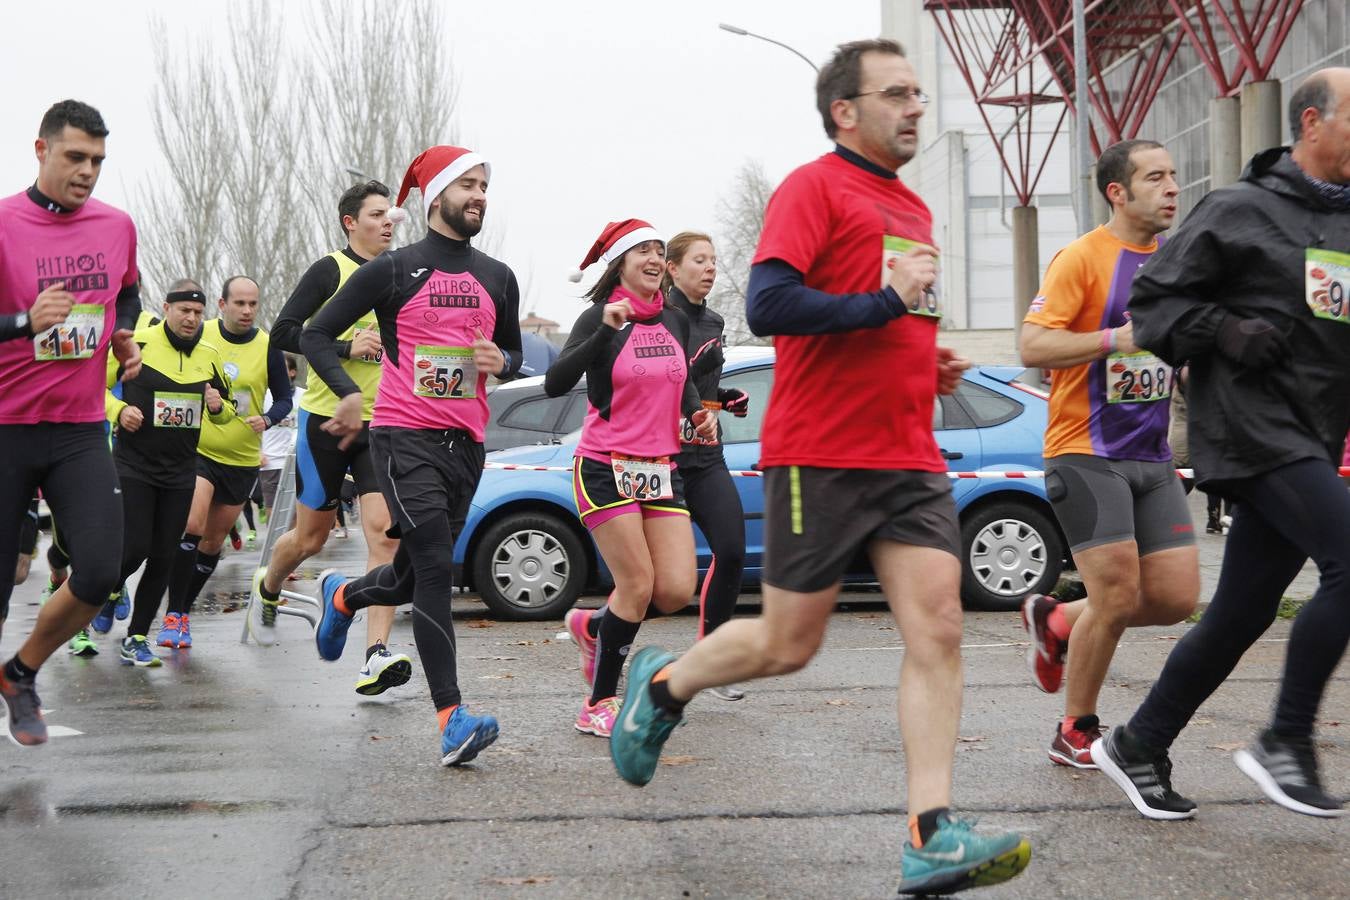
point(1258, 32)
point(1000, 46)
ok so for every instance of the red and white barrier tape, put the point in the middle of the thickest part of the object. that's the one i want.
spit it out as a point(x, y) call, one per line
point(1344, 471)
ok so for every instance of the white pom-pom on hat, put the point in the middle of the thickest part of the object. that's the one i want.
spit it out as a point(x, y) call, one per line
point(397, 215)
point(574, 276)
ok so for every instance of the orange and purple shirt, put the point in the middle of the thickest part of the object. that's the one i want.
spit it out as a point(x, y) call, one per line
point(1116, 407)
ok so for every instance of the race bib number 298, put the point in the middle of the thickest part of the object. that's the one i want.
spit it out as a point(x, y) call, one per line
point(1137, 378)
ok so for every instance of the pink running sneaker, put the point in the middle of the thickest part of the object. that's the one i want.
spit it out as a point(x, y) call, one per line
point(576, 621)
point(1074, 747)
point(1046, 655)
point(598, 719)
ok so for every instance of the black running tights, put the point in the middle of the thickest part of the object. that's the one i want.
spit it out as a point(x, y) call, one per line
point(1280, 520)
point(154, 518)
point(715, 507)
point(420, 572)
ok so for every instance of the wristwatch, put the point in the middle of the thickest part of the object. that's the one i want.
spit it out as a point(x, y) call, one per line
point(21, 322)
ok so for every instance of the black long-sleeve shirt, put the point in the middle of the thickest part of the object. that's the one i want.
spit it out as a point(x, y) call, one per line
point(319, 282)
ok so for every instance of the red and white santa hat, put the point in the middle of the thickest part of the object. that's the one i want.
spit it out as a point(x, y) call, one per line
point(614, 241)
point(435, 169)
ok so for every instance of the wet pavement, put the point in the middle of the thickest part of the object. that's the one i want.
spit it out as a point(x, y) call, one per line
point(236, 771)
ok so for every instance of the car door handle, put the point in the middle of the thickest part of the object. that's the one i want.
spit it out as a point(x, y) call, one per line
point(951, 454)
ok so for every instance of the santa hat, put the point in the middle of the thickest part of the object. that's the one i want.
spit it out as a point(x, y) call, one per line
point(435, 169)
point(614, 241)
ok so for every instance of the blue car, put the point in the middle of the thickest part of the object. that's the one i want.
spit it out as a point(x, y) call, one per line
point(524, 550)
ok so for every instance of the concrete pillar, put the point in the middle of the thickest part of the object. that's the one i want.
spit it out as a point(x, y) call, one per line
point(1026, 261)
point(1226, 151)
point(1261, 117)
point(1101, 210)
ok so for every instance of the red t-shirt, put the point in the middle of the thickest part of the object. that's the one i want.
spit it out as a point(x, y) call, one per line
point(858, 399)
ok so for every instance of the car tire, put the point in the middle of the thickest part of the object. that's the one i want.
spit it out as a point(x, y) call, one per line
point(1008, 550)
point(530, 567)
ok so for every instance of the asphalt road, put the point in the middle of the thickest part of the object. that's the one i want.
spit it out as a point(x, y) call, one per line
point(235, 771)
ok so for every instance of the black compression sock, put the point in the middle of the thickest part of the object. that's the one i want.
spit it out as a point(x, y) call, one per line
point(269, 596)
point(614, 641)
point(927, 823)
point(593, 623)
point(201, 573)
point(659, 691)
point(15, 670)
point(373, 649)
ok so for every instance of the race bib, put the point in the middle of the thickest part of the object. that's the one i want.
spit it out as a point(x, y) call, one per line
point(689, 434)
point(445, 373)
point(178, 410)
point(1326, 279)
point(378, 357)
point(892, 248)
point(75, 338)
point(642, 479)
point(1137, 378)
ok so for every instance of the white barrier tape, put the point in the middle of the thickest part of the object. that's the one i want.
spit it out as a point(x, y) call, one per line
point(1343, 471)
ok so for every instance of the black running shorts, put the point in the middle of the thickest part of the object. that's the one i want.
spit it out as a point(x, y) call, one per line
point(233, 484)
point(424, 473)
point(817, 521)
point(321, 465)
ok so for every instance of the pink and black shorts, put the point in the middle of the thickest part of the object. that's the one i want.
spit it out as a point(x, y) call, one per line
point(598, 499)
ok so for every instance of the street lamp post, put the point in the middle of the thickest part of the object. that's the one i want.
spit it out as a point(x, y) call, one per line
point(743, 33)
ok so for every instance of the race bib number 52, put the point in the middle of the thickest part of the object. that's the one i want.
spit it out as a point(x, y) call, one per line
point(444, 373)
point(642, 479)
point(1137, 378)
point(75, 338)
point(1326, 279)
point(892, 248)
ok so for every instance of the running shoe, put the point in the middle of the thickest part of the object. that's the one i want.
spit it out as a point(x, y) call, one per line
point(103, 621)
point(598, 719)
point(184, 632)
point(577, 621)
point(136, 652)
point(635, 744)
point(1146, 781)
point(262, 515)
point(26, 727)
point(1285, 768)
point(261, 616)
point(1045, 656)
point(1074, 747)
point(122, 604)
point(728, 692)
point(465, 736)
point(251, 539)
point(383, 670)
point(330, 635)
point(340, 532)
point(235, 541)
point(955, 858)
point(81, 645)
point(47, 592)
point(168, 630)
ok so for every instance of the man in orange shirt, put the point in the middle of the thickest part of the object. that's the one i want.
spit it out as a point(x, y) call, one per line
point(1108, 466)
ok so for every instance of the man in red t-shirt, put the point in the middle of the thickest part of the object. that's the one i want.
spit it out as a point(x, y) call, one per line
point(844, 278)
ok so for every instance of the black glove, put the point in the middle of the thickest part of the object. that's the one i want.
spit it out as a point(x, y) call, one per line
point(707, 358)
point(734, 401)
point(1251, 342)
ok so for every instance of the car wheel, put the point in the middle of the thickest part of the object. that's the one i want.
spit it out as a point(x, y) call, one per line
point(530, 567)
point(1008, 550)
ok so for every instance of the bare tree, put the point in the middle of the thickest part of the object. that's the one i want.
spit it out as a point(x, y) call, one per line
point(257, 139)
point(740, 219)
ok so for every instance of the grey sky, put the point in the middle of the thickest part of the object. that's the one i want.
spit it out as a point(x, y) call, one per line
point(589, 111)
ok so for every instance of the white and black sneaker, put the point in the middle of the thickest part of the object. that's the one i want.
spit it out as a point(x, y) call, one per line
point(729, 692)
point(1285, 768)
point(383, 670)
point(1147, 781)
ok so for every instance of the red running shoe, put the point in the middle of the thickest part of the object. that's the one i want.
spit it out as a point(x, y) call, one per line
point(1074, 747)
point(1046, 655)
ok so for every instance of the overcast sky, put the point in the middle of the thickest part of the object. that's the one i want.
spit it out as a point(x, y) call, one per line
point(589, 111)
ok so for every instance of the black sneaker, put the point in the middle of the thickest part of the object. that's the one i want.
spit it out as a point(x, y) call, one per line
point(1146, 781)
point(1285, 768)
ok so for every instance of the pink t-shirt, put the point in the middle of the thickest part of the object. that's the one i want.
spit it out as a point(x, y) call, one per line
point(432, 382)
point(59, 375)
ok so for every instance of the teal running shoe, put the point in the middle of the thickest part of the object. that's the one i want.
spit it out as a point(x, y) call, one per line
point(122, 604)
point(641, 730)
point(330, 635)
point(956, 859)
point(465, 736)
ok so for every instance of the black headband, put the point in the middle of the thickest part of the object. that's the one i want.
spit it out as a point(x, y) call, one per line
point(194, 296)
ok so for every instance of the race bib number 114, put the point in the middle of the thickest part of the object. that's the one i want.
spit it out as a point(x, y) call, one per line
point(75, 338)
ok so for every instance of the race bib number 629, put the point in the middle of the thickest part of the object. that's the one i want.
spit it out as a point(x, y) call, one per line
point(642, 479)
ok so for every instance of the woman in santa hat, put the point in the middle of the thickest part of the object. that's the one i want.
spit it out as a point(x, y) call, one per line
point(631, 348)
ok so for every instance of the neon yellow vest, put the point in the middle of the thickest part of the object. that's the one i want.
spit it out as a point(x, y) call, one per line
point(319, 397)
point(235, 443)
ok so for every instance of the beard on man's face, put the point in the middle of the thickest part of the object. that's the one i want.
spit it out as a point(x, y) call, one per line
point(458, 222)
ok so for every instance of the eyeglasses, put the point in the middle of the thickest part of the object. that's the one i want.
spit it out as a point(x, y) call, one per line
point(896, 95)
